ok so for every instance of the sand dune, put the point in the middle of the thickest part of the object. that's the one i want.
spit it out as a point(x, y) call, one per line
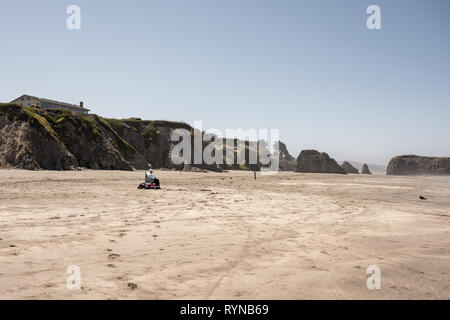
point(223, 235)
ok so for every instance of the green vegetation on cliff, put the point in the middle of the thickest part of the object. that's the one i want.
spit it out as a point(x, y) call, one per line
point(30, 115)
point(121, 143)
point(92, 141)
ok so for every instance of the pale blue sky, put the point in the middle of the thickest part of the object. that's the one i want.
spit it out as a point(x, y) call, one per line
point(310, 68)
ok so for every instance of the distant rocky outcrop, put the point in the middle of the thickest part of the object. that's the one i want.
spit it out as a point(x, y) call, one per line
point(365, 169)
point(316, 162)
point(378, 168)
point(287, 162)
point(418, 165)
point(349, 168)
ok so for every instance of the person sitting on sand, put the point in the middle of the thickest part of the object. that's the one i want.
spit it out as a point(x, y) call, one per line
point(149, 177)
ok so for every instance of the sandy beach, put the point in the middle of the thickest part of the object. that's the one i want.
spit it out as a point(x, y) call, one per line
point(223, 235)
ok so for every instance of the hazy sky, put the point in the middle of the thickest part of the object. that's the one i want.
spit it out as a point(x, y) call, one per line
point(310, 68)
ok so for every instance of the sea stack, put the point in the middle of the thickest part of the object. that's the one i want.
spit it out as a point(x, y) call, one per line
point(349, 168)
point(365, 169)
point(313, 161)
point(418, 165)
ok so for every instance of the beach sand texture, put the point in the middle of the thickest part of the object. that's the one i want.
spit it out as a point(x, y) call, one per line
point(223, 235)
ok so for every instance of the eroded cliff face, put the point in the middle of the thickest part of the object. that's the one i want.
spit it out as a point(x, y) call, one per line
point(25, 143)
point(33, 138)
point(418, 165)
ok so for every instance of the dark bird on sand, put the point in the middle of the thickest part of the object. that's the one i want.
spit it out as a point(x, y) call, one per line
point(422, 197)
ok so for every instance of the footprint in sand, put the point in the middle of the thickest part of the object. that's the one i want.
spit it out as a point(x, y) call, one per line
point(113, 256)
point(132, 286)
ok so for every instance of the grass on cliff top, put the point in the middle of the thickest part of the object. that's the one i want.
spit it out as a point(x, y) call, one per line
point(134, 123)
point(121, 143)
point(116, 124)
point(54, 123)
point(30, 115)
point(51, 119)
point(149, 134)
point(82, 123)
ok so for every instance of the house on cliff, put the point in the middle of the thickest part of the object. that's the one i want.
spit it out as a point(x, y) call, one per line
point(27, 101)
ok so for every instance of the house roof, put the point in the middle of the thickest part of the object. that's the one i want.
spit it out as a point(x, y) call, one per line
point(65, 104)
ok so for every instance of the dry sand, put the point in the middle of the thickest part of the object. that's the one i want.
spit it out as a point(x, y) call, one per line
point(223, 236)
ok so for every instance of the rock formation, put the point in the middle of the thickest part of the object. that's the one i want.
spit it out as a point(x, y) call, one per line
point(349, 168)
point(365, 169)
point(34, 138)
point(316, 162)
point(418, 165)
point(287, 162)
